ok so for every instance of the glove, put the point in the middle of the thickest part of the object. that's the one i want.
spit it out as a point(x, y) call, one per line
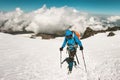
point(61, 49)
point(81, 48)
point(61, 62)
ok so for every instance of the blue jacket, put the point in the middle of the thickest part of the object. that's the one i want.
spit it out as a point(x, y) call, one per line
point(71, 41)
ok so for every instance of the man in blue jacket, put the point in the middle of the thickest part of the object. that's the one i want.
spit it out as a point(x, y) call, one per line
point(72, 41)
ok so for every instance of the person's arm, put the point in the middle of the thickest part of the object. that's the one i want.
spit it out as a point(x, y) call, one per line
point(64, 43)
point(77, 40)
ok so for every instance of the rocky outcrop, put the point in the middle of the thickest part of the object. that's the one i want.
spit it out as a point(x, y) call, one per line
point(111, 34)
point(90, 32)
point(51, 36)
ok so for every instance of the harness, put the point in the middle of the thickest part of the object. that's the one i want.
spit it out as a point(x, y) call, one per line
point(73, 46)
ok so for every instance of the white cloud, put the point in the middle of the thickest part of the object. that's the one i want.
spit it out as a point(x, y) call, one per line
point(113, 18)
point(50, 20)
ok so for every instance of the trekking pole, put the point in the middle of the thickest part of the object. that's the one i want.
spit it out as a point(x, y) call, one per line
point(60, 59)
point(84, 61)
point(77, 58)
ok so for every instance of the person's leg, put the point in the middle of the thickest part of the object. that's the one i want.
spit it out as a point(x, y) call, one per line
point(70, 66)
point(71, 60)
point(72, 54)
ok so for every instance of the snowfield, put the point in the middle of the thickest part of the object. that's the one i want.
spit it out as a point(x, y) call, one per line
point(23, 58)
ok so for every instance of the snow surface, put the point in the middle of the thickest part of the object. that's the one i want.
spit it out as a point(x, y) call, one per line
point(23, 58)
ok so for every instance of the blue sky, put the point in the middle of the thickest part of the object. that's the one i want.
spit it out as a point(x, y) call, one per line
point(90, 6)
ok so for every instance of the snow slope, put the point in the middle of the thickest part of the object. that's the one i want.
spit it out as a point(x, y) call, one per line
point(22, 58)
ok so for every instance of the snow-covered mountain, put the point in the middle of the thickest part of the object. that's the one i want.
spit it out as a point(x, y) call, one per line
point(51, 20)
point(23, 58)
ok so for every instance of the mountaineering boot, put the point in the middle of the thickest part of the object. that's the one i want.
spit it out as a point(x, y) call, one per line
point(69, 72)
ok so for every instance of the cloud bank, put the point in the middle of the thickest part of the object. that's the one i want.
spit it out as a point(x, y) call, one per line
point(51, 20)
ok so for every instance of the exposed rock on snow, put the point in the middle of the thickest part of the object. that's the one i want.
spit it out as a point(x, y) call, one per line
point(111, 34)
point(90, 32)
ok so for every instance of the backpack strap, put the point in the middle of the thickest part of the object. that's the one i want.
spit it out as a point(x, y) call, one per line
point(74, 37)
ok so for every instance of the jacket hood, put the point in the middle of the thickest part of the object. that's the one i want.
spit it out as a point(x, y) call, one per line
point(68, 33)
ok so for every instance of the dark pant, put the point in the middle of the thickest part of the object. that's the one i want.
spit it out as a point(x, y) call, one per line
point(72, 53)
point(70, 66)
point(71, 56)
